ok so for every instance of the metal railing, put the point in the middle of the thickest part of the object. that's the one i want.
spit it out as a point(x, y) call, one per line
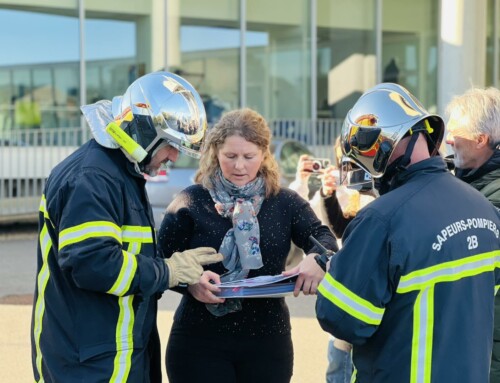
point(318, 135)
point(28, 155)
point(26, 159)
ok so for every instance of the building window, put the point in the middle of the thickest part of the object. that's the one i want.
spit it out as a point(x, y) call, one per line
point(409, 47)
point(346, 64)
point(39, 70)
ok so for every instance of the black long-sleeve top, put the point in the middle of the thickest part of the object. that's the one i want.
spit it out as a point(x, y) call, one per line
point(336, 218)
point(192, 221)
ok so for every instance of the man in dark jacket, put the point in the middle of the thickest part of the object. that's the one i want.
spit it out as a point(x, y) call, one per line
point(98, 275)
point(412, 286)
point(474, 135)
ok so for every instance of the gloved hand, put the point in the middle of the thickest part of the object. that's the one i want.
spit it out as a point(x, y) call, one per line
point(185, 267)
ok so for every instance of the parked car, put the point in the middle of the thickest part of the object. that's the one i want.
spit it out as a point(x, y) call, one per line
point(163, 188)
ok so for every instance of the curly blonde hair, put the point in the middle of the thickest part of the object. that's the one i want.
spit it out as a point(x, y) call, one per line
point(249, 125)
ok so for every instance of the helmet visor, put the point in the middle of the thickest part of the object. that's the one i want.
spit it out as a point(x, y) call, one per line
point(354, 177)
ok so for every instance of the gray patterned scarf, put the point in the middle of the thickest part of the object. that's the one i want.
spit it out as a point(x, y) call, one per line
point(240, 245)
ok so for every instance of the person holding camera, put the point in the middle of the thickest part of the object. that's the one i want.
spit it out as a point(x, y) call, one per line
point(335, 206)
point(334, 203)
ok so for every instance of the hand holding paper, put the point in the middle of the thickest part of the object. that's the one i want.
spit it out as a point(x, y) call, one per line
point(206, 290)
point(264, 286)
point(309, 276)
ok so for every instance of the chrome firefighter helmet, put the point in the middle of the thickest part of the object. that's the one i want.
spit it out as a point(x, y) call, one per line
point(160, 107)
point(378, 121)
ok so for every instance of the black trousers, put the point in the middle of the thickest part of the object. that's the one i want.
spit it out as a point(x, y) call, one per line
point(228, 359)
point(154, 350)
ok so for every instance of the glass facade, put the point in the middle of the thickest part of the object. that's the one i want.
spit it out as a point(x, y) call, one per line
point(493, 43)
point(288, 59)
point(409, 47)
point(110, 71)
point(277, 55)
point(346, 64)
point(40, 77)
point(38, 68)
point(209, 53)
point(278, 67)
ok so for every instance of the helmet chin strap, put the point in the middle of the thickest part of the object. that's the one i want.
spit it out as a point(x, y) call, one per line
point(151, 152)
point(386, 183)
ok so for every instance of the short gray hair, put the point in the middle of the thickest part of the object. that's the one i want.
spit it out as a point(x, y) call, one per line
point(480, 110)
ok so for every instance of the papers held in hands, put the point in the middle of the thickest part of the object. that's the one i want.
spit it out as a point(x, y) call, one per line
point(264, 286)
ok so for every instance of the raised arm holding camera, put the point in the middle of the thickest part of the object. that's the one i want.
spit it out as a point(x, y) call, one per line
point(335, 203)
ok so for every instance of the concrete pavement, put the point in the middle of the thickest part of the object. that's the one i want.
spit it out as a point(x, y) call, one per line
point(310, 344)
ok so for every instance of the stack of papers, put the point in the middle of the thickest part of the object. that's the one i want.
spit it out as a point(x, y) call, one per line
point(264, 286)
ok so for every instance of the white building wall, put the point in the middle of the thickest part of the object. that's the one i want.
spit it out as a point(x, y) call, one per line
point(462, 48)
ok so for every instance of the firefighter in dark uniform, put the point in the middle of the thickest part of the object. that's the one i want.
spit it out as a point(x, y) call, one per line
point(413, 286)
point(98, 275)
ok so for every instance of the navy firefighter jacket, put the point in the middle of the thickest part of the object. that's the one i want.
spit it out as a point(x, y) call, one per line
point(97, 272)
point(413, 286)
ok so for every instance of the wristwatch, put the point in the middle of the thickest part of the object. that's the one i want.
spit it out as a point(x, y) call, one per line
point(322, 259)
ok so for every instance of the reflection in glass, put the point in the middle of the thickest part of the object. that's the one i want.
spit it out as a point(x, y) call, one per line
point(209, 56)
point(40, 83)
point(491, 71)
point(113, 66)
point(345, 54)
point(409, 47)
point(33, 91)
point(278, 69)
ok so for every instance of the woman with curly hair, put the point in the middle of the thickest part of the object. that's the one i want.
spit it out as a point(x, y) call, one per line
point(238, 207)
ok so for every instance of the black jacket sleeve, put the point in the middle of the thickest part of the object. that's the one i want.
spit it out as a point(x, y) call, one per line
point(352, 297)
point(305, 223)
point(335, 215)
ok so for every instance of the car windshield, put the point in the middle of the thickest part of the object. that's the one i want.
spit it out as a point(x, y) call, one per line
point(185, 162)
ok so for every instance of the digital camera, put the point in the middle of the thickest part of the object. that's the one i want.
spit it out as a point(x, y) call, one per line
point(319, 164)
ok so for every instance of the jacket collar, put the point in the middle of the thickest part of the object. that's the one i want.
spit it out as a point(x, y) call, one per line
point(431, 165)
point(471, 175)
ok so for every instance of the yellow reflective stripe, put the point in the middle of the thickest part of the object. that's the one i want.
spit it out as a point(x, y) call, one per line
point(126, 275)
point(496, 289)
point(43, 202)
point(423, 329)
point(142, 234)
point(449, 271)
point(42, 280)
point(415, 346)
point(43, 207)
point(351, 303)
point(353, 376)
point(124, 340)
point(93, 229)
point(134, 247)
point(430, 335)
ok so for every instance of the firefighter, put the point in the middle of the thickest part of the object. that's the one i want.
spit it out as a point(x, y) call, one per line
point(98, 275)
point(413, 286)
